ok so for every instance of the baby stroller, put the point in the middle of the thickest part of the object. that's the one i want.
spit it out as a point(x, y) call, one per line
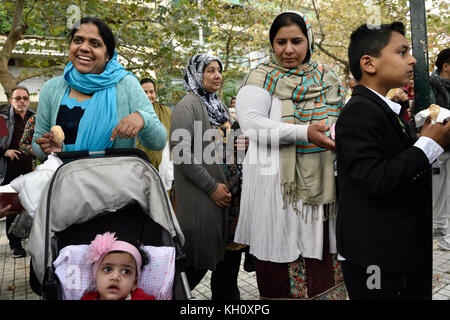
point(95, 192)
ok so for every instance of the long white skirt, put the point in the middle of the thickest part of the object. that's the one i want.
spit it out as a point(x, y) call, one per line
point(273, 233)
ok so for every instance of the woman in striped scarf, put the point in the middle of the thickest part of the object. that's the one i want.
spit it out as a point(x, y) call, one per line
point(286, 107)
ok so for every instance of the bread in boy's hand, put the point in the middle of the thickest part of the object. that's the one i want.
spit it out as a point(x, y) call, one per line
point(434, 111)
point(391, 93)
point(58, 134)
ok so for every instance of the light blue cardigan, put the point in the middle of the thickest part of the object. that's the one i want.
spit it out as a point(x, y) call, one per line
point(130, 98)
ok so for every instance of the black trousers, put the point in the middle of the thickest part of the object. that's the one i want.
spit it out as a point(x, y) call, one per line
point(14, 242)
point(392, 285)
point(223, 280)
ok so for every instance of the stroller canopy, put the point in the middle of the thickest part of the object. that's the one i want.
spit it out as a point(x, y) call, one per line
point(85, 188)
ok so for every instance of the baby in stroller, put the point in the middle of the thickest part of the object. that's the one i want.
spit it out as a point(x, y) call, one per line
point(117, 266)
point(92, 195)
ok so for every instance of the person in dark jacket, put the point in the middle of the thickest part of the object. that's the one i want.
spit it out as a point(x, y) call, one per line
point(203, 195)
point(17, 162)
point(382, 171)
point(440, 95)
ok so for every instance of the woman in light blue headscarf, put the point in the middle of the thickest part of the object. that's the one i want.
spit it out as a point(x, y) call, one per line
point(97, 103)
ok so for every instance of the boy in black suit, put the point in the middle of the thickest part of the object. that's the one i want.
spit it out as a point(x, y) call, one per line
point(382, 167)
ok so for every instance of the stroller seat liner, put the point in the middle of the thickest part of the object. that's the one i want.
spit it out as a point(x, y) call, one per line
point(76, 278)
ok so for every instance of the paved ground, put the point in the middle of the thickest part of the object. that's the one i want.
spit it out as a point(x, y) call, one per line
point(14, 275)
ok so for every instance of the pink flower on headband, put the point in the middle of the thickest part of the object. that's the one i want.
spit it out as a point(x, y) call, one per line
point(99, 246)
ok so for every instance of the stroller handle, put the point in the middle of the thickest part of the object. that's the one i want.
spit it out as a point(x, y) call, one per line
point(107, 152)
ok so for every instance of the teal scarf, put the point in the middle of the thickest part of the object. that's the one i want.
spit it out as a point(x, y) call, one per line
point(100, 114)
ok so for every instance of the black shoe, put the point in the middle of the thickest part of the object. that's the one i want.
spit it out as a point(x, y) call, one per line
point(19, 253)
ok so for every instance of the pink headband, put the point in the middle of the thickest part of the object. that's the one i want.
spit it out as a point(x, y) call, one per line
point(105, 243)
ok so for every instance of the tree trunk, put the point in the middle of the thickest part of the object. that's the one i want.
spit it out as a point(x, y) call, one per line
point(7, 80)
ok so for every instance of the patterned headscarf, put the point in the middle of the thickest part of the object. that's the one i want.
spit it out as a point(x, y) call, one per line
point(193, 82)
point(309, 31)
point(309, 93)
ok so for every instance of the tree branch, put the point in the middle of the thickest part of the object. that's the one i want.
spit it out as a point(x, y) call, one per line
point(36, 37)
point(122, 28)
point(328, 53)
point(17, 28)
point(322, 38)
point(39, 73)
point(14, 35)
point(29, 11)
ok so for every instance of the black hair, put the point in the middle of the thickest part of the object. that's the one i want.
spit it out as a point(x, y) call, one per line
point(19, 87)
point(284, 20)
point(370, 40)
point(103, 29)
point(443, 57)
point(148, 80)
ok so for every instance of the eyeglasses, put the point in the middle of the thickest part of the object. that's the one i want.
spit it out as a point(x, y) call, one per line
point(21, 98)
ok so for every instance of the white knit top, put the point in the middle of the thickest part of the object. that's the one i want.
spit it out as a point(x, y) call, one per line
point(273, 233)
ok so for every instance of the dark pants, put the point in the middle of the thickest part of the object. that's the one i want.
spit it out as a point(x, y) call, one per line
point(392, 285)
point(14, 242)
point(223, 280)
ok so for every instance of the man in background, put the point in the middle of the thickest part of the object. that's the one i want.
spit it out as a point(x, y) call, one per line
point(15, 162)
point(159, 159)
point(440, 95)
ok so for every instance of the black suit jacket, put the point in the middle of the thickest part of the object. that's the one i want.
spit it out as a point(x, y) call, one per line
point(381, 177)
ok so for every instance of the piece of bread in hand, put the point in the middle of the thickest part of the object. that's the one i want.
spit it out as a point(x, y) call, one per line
point(391, 93)
point(434, 111)
point(58, 134)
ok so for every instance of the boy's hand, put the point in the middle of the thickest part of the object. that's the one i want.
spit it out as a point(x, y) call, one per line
point(438, 132)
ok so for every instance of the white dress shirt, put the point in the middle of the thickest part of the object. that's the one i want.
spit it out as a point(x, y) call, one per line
point(430, 147)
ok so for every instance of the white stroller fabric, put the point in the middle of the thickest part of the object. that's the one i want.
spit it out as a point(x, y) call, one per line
point(85, 188)
point(31, 185)
point(77, 279)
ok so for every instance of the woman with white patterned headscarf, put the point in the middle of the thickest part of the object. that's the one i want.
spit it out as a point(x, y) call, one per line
point(203, 196)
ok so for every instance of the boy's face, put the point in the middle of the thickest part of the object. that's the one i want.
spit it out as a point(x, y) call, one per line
point(394, 68)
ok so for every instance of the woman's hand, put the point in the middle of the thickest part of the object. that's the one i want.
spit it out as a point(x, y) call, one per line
point(128, 127)
point(241, 143)
point(47, 144)
point(400, 96)
point(317, 136)
point(221, 196)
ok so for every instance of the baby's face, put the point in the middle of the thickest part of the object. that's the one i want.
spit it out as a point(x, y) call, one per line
point(116, 276)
